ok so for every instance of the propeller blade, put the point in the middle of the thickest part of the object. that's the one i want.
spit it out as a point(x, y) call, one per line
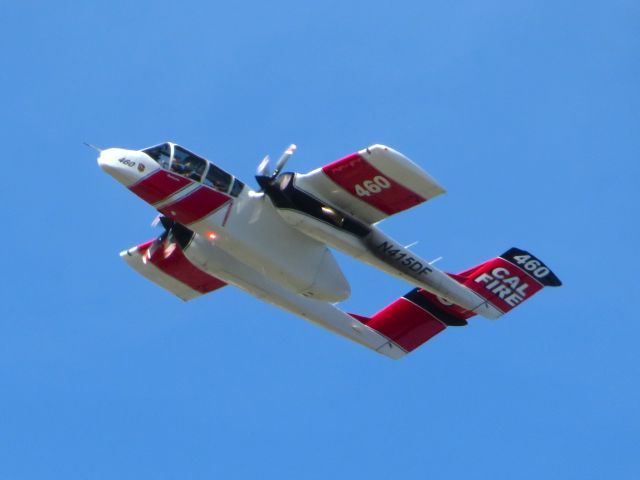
point(283, 159)
point(169, 247)
point(263, 168)
point(174, 236)
point(156, 221)
point(154, 246)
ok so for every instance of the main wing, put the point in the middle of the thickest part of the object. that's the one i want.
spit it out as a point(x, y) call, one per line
point(191, 266)
point(168, 265)
point(371, 184)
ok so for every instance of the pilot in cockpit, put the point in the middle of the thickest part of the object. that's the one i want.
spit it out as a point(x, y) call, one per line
point(188, 164)
point(182, 166)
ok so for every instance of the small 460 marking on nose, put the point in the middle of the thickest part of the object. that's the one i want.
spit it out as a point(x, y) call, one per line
point(127, 162)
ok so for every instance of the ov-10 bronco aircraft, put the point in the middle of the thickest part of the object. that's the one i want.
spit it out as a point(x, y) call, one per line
point(274, 243)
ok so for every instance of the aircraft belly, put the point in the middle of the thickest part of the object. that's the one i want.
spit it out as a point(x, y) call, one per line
point(230, 270)
point(255, 235)
point(324, 232)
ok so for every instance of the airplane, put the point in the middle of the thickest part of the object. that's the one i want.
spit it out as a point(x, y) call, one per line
point(274, 242)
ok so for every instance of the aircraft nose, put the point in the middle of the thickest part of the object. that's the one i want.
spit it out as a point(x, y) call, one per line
point(107, 160)
point(121, 164)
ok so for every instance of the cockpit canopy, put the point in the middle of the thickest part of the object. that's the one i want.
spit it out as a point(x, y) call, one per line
point(183, 162)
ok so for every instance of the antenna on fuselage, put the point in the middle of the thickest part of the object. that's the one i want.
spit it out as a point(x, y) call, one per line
point(97, 149)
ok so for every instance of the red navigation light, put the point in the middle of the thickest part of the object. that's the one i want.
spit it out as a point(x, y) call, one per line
point(212, 235)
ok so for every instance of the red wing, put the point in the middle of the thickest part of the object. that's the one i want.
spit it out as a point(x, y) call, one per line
point(166, 264)
point(371, 184)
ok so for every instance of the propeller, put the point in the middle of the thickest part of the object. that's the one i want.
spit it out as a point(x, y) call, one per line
point(166, 222)
point(283, 160)
point(174, 235)
point(264, 177)
point(162, 241)
point(263, 168)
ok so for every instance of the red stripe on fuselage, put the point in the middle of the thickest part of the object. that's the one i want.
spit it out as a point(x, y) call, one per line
point(172, 261)
point(158, 186)
point(406, 324)
point(355, 170)
point(194, 206)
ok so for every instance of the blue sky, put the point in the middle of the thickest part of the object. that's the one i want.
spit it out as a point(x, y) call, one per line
point(527, 112)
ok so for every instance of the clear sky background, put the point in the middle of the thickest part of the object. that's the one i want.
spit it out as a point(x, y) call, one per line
point(526, 111)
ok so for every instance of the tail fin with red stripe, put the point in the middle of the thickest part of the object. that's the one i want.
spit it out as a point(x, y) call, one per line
point(505, 282)
point(508, 280)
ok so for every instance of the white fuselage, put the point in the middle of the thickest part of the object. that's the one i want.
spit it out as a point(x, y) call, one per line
point(283, 245)
point(246, 226)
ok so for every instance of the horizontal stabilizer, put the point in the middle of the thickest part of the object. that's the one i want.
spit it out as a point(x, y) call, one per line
point(505, 282)
point(416, 317)
point(508, 280)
